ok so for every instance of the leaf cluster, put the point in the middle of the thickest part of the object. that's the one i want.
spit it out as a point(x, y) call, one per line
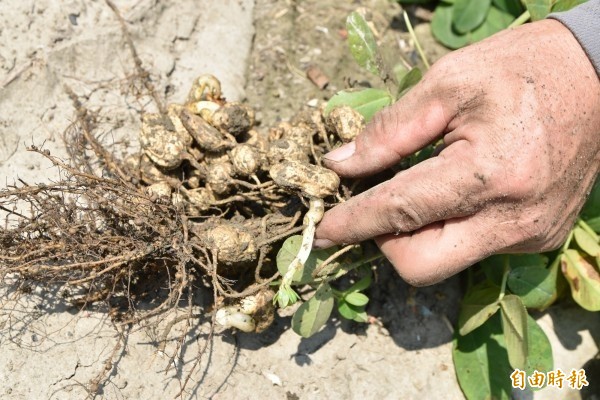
point(366, 52)
point(457, 23)
point(322, 268)
point(495, 333)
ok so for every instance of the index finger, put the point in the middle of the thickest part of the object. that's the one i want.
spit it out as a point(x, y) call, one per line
point(437, 189)
point(414, 121)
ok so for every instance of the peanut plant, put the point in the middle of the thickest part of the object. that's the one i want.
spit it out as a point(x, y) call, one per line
point(495, 333)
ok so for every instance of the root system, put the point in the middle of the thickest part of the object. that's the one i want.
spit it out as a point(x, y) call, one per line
point(195, 209)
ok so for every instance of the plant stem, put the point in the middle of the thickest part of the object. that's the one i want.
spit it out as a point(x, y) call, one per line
point(582, 224)
point(330, 259)
point(521, 19)
point(414, 37)
point(567, 242)
point(504, 276)
point(344, 269)
point(285, 295)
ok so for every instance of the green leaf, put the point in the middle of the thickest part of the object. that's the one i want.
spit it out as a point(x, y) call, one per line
point(356, 299)
point(362, 284)
point(539, 349)
point(566, 5)
point(587, 242)
point(288, 252)
point(493, 266)
point(514, 326)
point(513, 7)
point(534, 284)
point(441, 27)
point(351, 311)
point(361, 317)
point(285, 296)
point(538, 9)
point(496, 21)
point(310, 317)
point(362, 44)
point(477, 307)
point(467, 15)
point(346, 310)
point(594, 223)
point(583, 279)
point(409, 80)
point(481, 362)
point(591, 208)
point(365, 101)
point(400, 71)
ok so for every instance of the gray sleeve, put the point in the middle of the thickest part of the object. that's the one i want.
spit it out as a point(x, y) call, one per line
point(584, 22)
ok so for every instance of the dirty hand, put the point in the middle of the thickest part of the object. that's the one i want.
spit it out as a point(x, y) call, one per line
point(520, 118)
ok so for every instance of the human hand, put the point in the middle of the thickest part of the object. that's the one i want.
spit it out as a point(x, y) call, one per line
point(520, 119)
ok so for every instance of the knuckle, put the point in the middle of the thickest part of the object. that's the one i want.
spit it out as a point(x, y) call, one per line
point(384, 124)
point(442, 66)
point(515, 182)
point(402, 215)
point(514, 170)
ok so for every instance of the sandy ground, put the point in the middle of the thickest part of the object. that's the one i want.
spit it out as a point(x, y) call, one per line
point(52, 351)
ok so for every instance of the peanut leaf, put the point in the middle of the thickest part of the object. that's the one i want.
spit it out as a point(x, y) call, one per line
point(583, 279)
point(361, 317)
point(565, 5)
point(535, 285)
point(366, 101)
point(288, 252)
point(591, 208)
point(356, 299)
point(538, 9)
point(493, 266)
point(514, 326)
point(594, 223)
point(400, 71)
point(481, 362)
point(441, 26)
point(539, 349)
point(310, 317)
point(495, 21)
point(362, 44)
point(468, 14)
point(346, 310)
point(513, 7)
point(409, 80)
point(476, 308)
point(362, 284)
point(587, 242)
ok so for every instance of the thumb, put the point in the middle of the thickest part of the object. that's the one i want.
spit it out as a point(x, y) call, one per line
point(395, 132)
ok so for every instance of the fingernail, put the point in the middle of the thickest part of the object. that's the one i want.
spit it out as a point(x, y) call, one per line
point(342, 153)
point(322, 243)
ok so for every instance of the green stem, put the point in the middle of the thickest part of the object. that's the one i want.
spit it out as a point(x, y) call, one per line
point(520, 20)
point(504, 276)
point(414, 38)
point(567, 242)
point(582, 224)
point(344, 269)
